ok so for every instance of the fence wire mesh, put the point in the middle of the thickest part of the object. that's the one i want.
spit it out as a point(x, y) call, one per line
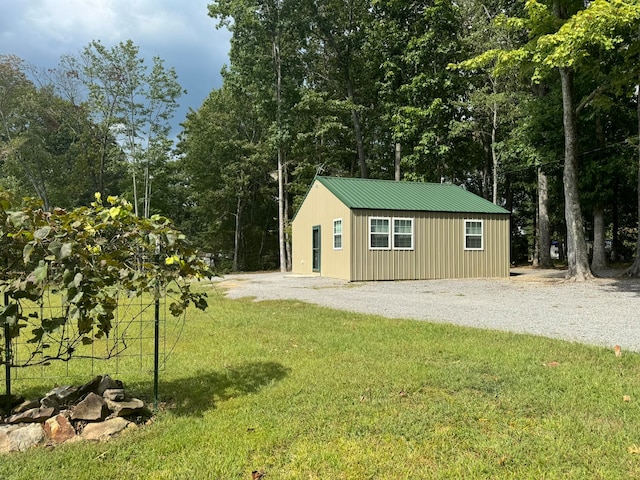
point(62, 357)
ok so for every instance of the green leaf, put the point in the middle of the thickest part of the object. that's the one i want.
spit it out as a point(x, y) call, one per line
point(65, 251)
point(42, 233)
point(26, 252)
point(40, 273)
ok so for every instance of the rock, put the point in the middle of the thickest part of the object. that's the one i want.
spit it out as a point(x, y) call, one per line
point(26, 405)
point(107, 383)
point(18, 438)
point(131, 406)
point(92, 408)
point(34, 415)
point(91, 386)
point(58, 429)
point(63, 395)
point(103, 430)
point(115, 394)
point(49, 402)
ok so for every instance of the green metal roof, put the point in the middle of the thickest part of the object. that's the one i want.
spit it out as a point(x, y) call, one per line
point(358, 193)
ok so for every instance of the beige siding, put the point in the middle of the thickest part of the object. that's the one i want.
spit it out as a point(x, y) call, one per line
point(438, 248)
point(321, 207)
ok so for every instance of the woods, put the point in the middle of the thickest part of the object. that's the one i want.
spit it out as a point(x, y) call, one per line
point(532, 105)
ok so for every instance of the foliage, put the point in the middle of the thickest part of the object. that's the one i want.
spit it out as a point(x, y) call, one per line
point(89, 256)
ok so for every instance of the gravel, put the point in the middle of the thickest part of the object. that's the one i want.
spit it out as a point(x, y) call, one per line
point(605, 311)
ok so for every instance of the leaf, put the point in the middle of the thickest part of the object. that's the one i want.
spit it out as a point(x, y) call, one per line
point(40, 273)
point(65, 251)
point(26, 252)
point(634, 449)
point(87, 341)
point(42, 233)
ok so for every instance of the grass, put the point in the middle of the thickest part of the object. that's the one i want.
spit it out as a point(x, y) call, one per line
point(303, 392)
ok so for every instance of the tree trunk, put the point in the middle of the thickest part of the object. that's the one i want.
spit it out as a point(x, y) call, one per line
point(236, 235)
point(544, 234)
point(357, 128)
point(577, 257)
point(599, 260)
point(287, 240)
point(494, 154)
point(634, 269)
point(398, 158)
point(277, 64)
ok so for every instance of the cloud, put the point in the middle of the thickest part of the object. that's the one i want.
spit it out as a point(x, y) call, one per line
point(181, 33)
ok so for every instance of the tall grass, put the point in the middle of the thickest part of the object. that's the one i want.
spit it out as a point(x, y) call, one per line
point(303, 392)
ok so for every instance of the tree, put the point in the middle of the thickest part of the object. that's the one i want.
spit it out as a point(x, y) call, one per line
point(127, 102)
point(229, 178)
point(567, 50)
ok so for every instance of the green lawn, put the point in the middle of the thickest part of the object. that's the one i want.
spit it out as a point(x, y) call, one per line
point(303, 392)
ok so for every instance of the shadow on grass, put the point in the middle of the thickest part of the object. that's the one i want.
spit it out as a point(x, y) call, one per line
point(198, 394)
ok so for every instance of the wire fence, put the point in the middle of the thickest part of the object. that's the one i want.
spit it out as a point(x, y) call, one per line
point(142, 336)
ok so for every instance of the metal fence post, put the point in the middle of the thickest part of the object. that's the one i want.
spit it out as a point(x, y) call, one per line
point(7, 351)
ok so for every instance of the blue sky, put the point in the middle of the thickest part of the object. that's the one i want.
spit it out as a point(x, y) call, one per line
point(178, 31)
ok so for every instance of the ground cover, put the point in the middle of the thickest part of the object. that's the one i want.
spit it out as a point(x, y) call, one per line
point(299, 391)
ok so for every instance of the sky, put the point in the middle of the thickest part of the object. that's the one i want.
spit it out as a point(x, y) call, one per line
point(178, 31)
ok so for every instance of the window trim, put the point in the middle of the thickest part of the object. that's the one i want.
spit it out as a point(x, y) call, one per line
point(469, 235)
point(388, 219)
point(336, 235)
point(411, 235)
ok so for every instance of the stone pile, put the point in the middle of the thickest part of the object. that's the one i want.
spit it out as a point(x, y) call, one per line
point(93, 411)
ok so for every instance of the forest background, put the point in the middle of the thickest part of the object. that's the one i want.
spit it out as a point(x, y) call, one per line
point(533, 106)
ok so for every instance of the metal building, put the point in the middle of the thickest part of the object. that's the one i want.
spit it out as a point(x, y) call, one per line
point(360, 229)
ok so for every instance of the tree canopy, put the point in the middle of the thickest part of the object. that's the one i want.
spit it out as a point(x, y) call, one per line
point(533, 105)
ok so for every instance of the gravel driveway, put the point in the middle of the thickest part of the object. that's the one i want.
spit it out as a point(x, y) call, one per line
point(605, 311)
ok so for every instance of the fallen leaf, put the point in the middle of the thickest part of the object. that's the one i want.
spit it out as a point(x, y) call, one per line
point(403, 393)
point(551, 364)
point(634, 449)
point(617, 351)
point(257, 475)
point(626, 398)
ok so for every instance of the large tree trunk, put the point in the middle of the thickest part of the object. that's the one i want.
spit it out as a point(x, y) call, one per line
point(599, 260)
point(544, 234)
point(577, 256)
point(634, 269)
point(236, 236)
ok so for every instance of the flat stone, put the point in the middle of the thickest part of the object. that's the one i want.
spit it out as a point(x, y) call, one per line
point(64, 395)
point(92, 408)
point(18, 438)
point(49, 402)
point(26, 405)
point(114, 394)
point(58, 429)
point(107, 383)
point(131, 406)
point(104, 430)
point(90, 386)
point(34, 415)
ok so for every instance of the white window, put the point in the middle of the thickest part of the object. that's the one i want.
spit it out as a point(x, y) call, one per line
point(473, 235)
point(403, 233)
point(379, 233)
point(337, 234)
